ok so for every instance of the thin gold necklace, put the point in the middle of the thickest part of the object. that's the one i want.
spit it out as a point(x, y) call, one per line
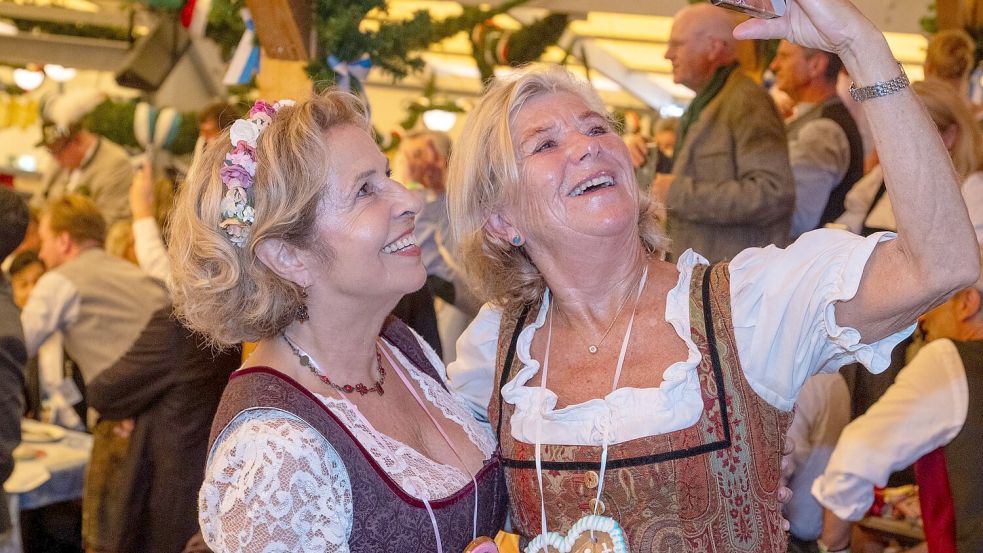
point(593, 348)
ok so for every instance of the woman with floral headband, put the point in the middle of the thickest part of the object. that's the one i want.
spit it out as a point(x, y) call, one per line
point(337, 434)
point(642, 405)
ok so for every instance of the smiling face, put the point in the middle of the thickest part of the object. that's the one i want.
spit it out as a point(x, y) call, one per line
point(575, 173)
point(366, 221)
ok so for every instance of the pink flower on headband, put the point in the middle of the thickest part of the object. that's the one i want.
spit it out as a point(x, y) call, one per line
point(261, 106)
point(236, 176)
point(239, 170)
point(243, 157)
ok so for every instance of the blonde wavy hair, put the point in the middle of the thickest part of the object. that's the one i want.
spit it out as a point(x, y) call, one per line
point(950, 54)
point(225, 292)
point(947, 108)
point(484, 175)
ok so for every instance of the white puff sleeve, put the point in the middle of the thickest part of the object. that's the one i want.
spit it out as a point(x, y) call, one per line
point(782, 303)
point(472, 373)
point(274, 485)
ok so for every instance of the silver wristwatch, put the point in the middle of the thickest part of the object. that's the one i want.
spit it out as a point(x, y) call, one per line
point(882, 88)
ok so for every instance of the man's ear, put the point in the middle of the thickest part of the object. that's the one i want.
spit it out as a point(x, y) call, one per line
point(500, 227)
point(65, 242)
point(969, 303)
point(284, 260)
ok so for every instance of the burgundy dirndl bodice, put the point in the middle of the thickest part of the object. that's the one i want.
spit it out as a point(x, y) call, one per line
point(386, 518)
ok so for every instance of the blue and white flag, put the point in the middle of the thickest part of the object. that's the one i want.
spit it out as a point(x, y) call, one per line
point(245, 60)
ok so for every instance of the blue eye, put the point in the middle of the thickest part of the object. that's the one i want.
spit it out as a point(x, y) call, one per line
point(597, 130)
point(363, 191)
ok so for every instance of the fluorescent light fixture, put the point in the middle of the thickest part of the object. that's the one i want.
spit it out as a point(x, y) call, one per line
point(671, 110)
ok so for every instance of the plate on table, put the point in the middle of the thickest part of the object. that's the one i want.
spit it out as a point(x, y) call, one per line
point(39, 433)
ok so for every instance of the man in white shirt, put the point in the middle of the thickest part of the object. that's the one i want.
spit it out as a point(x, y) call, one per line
point(825, 147)
point(100, 303)
point(932, 414)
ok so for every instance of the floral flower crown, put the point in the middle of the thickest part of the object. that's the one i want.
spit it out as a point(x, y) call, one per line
point(239, 170)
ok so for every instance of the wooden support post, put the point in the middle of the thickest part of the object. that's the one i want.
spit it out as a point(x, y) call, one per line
point(950, 14)
point(283, 27)
point(280, 79)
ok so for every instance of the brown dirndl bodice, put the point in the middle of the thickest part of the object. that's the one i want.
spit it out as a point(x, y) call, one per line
point(710, 487)
point(385, 517)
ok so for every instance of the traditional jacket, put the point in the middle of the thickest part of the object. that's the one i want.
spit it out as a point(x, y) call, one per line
point(386, 517)
point(950, 487)
point(710, 487)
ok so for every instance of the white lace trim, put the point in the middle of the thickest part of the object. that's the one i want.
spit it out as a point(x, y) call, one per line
point(274, 484)
point(451, 405)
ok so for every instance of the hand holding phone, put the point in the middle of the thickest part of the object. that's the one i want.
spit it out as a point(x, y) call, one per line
point(762, 9)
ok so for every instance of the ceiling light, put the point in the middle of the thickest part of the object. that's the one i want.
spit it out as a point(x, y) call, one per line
point(439, 120)
point(27, 79)
point(59, 73)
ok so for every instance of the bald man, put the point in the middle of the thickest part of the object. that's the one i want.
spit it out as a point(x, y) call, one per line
point(731, 185)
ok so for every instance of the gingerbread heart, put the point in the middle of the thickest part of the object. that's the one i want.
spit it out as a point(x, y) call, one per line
point(590, 534)
point(481, 544)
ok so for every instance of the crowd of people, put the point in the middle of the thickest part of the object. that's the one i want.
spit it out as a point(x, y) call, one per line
point(695, 294)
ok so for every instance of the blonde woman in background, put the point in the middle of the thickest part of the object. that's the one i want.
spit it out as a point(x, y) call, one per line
point(868, 207)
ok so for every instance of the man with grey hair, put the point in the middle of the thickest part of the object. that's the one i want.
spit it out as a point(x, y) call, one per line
point(933, 416)
point(731, 185)
point(825, 146)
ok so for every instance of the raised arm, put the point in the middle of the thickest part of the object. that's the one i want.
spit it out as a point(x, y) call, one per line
point(936, 252)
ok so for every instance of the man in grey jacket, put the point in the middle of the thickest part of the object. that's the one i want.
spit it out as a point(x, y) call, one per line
point(731, 185)
point(13, 355)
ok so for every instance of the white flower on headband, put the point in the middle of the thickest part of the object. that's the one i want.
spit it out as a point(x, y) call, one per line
point(238, 170)
point(244, 130)
point(283, 103)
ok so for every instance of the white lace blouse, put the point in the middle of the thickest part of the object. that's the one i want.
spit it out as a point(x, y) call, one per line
point(274, 484)
point(782, 303)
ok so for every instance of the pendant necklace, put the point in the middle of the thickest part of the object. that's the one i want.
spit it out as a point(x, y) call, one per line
point(592, 533)
point(362, 389)
point(478, 544)
point(592, 348)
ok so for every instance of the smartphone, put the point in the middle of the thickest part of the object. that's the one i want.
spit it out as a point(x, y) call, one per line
point(763, 9)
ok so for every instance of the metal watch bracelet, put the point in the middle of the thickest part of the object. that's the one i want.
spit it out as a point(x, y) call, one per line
point(881, 88)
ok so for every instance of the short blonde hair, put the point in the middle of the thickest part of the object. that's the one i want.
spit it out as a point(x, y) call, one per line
point(77, 215)
point(947, 108)
point(484, 174)
point(950, 54)
point(226, 292)
point(119, 240)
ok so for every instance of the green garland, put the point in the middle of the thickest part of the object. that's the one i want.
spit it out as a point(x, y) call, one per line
point(491, 46)
point(392, 48)
point(114, 120)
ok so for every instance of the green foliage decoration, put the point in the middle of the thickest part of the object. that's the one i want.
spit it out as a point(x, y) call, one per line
point(491, 46)
point(394, 46)
point(114, 120)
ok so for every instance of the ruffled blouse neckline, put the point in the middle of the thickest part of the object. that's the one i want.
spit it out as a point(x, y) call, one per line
point(626, 413)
